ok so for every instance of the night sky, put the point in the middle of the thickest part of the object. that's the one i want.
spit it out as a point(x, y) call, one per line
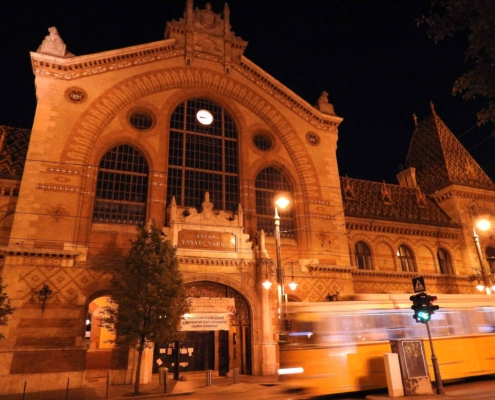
point(377, 66)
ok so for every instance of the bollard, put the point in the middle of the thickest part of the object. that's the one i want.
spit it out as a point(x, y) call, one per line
point(108, 384)
point(208, 377)
point(24, 393)
point(67, 390)
point(236, 375)
point(163, 376)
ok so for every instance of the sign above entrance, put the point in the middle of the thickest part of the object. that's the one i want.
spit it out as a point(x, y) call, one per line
point(206, 240)
point(211, 305)
point(209, 314)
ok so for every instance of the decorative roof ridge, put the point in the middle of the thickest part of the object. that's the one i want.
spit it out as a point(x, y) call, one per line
point(273, 85)
point(394, 185)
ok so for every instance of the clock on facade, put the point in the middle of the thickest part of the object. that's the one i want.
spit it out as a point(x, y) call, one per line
point(204, 117)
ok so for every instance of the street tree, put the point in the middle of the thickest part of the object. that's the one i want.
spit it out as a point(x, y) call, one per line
point(148, 297)
point(5, 308)
point(476, 20)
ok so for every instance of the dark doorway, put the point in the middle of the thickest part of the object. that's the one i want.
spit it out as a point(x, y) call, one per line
point(223, 353)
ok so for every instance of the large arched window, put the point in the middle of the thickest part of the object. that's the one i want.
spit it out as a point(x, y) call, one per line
point(406, 259)
point(122, 187)
point(203, 156)
point(445, 262)
point(363, 256)
point(269, 181)
point(490, 257)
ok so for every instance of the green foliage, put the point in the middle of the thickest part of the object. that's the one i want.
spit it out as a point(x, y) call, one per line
point(5, 308)
point(148, 297)
point(476, 19)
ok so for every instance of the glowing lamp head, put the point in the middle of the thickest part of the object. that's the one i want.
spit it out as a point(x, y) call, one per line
point(267, 284)
point(480, 287)
point(293, 285)
point(483, 224)
point(282, 200)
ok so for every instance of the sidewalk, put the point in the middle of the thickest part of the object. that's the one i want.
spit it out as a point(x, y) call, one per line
point(249, 387)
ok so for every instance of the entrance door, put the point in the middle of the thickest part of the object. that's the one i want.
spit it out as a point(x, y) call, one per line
point(223, 353)
point(203, 345)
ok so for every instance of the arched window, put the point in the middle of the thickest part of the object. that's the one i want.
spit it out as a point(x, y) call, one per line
point(269, 181)
point(445, 262)
point(406, 259)
point(122, 187)
point(490, 257)
point(203, 156)
point(363, 256)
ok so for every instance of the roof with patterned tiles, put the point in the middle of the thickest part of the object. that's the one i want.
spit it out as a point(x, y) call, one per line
point(367, 199)
point(441, 160)
point(14, 144)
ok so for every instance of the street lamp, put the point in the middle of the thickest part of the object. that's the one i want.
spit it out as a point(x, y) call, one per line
point(282, 201)
point(482, 224)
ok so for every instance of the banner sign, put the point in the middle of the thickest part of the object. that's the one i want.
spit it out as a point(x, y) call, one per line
point(206, 322)
point(211, 305)
point(209, 314)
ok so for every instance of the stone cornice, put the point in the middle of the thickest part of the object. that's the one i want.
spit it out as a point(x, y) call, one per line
point(79, 67)
point(82, 66)
point(467, 193)
point(216, 262)
point(400, 230)
point(408, 275)
point(287, 97)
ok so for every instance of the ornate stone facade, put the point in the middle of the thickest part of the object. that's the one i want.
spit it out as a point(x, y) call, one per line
point(49, 197)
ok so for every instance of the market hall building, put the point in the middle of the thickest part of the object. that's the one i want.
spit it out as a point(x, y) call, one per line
point(188, 132)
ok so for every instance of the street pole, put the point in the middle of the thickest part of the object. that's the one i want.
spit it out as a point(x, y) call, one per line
point(280, 279)
point(486, 279)
point(434, 361)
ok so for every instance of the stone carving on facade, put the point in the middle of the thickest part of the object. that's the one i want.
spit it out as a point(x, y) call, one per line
point(323, 105)
point(53, 45)
point(57, 212)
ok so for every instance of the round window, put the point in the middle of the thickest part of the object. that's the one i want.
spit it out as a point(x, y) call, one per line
point(141, 120)
point(262, 141)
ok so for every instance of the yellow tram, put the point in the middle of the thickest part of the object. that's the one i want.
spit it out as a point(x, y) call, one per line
point(340, 345)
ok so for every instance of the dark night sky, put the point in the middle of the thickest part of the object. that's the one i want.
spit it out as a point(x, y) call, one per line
point(377, 66)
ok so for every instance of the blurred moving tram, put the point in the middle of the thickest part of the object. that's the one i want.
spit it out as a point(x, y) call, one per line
point(340, 345)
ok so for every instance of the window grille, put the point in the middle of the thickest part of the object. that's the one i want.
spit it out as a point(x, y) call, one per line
point(203, 158)
point(122, 187)
point(406, 259)
point(363, 256)
point(445, 262)
point(269, 181)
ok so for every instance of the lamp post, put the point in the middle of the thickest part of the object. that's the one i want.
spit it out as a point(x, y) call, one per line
point(281, 201)
point(486, 278)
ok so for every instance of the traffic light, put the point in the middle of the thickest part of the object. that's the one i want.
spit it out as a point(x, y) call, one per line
point(423, 307)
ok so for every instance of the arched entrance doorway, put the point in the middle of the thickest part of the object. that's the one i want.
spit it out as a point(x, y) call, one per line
point(220, 350)
point(99, 349)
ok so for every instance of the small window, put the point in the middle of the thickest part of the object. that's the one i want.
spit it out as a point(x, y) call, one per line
point(262, 141)
point(490, 257)
point(141, 120)
point(406, 259)
point(363, 256)
point(445, 262)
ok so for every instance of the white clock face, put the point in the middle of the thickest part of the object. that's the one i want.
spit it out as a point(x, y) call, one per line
point(204, 117)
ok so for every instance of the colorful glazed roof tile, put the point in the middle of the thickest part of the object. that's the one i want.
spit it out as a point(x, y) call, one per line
point(366, 199)
point(14, 144)
point(441, 160)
